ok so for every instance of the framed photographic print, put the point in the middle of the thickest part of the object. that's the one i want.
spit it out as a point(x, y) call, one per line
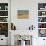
point(23, 14)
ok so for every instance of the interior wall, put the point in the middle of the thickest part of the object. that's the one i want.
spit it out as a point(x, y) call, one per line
point(32, 6)
point(23, 24)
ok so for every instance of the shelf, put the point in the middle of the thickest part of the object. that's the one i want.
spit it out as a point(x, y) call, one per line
point(41, 22)
point(41, 10)
point(3, 22)
point(3, 16)
point(3, 10)
point(42, 16)
point(4, 19)
point(41, 28)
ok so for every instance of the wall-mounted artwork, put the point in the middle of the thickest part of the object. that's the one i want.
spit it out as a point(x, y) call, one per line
point(23, 14)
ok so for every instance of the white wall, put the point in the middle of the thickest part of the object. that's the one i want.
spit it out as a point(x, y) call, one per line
point(32, 6)
point(22, 24)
